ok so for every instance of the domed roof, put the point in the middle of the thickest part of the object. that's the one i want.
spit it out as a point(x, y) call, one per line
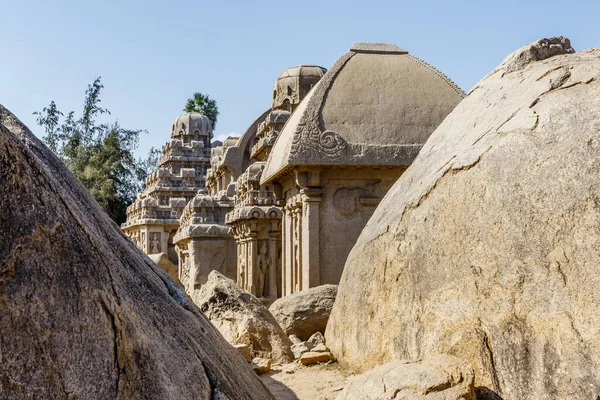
point(303, 70)
point(294, 83)
point(192, 123)
point(377, 105)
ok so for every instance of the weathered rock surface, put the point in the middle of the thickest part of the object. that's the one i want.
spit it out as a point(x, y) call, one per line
point(315, 339)
point(306, 312)
point(83, 313)
point(440, 377)
point(299, 348)
point(311, 357)
point(261, 365)
point(163, 261)
point(242, 318)
point(487, 247)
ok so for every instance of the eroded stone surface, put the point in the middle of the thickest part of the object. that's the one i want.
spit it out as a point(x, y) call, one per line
point(486, 248)
point(83, 313)
point(311, 357)
point(242, 318)
point(304, 313)
point(439, 377)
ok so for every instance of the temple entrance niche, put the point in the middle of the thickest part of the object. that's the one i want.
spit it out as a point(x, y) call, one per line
point(259, 254)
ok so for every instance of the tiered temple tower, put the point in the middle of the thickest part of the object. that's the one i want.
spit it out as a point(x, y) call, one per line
point(153, 219)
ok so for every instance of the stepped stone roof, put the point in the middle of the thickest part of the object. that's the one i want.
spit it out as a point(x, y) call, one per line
point(377, 105)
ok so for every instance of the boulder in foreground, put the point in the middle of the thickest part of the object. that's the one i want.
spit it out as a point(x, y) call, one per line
point(306, 312)
point(486, 248)
point(242, 318)
point(84, 314)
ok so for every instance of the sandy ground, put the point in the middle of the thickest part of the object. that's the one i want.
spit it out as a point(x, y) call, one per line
point(317, 382)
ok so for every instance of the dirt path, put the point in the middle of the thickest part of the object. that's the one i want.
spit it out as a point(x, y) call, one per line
point(318, 382)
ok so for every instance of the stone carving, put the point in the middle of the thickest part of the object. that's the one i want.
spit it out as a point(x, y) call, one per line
point(310, 141)
point(242, 271)
point(264, 264)
point(350, 134)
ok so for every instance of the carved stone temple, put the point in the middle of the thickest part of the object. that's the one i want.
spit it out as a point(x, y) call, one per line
point(153, 219)
point(342, 149)
point(281, 206)
point(235, 225)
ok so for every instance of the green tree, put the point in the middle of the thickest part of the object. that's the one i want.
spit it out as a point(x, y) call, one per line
point(205, 105)
point(100, 155)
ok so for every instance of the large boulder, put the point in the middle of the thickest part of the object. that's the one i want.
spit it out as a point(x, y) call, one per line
point(306, 312)
point(162, 260)
point(438, 377)
point(84, 314)
point(242, 318)
point(487, 246)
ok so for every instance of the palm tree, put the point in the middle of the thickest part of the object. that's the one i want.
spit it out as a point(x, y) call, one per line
point(203, 104)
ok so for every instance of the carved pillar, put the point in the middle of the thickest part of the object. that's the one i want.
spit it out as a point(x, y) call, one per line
point(288, 240)
point(240, 260)
point(298, 243)
point(164, 242)
point(284, 255)
point(146, 240)
point(272, 276)
point(252, 265)
point(195, 262)
point(311, 263)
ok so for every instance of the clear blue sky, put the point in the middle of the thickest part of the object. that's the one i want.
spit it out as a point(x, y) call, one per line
point(152, 55)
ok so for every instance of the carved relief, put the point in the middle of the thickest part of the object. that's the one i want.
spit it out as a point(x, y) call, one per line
point(264, 262)
point(309, 141)
point(155, 245)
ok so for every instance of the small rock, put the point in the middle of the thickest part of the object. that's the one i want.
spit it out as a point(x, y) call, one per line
point(320, 348)
point(312, 357)
point(295, 339)
point(245, 351)
point(290, 368)
point(315, 339)
point(299, 349)
point(261, 365)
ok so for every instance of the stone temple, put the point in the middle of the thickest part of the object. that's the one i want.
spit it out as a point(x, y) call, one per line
point(282, 205)
point(153, 219)
point(342, 149)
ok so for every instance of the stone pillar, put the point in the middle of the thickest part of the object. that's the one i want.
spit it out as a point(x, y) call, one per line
point(272, 278)
point(284, 255)
point(146, 240)
point(240, 257)
point(288, 242)
point(298, 244)
point(164, 242)
point(311, 263)
point(252, 266)
point(195, 265)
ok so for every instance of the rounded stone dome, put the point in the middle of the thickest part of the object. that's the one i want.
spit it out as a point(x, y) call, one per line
point(303, 70)
point(193, 124)
point(377, 105)
point(294, 83)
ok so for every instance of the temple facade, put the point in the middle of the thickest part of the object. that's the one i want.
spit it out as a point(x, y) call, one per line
point(257, 215)
point(235, 225)
point(279, 208)
point(153, 219)
point(341, 150)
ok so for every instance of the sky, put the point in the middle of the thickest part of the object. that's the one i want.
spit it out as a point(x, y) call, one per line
point(153, 55)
